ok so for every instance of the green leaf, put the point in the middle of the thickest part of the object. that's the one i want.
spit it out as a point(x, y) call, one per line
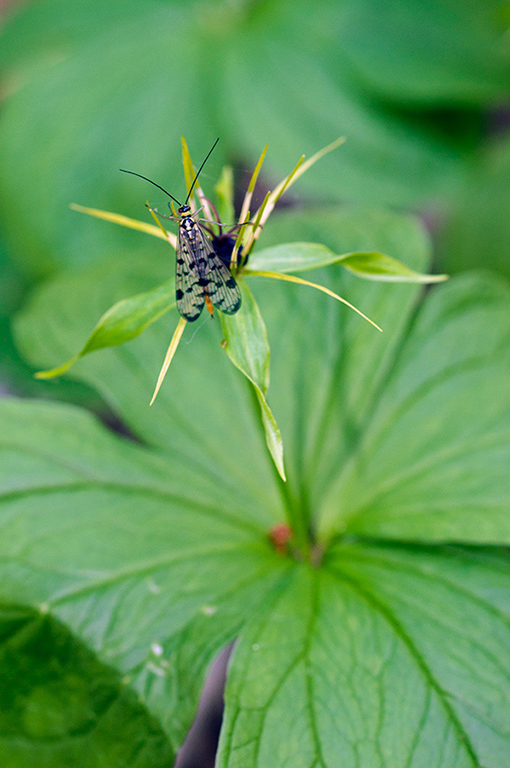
point(292, 257)
point(246, 340)
point(446, 613)
point(156, 584)
point(450, 379)
point(140, 551)
point(123, 322)
point(248, 348)
point(378, 266)
point(299, 257)
point(309, 694)
point(389, 644)
point(60, 705)
point(319, 650)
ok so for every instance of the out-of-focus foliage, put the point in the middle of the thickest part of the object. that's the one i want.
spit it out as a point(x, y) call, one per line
point(16, 375)
point(93, 86)
point(477, 233)
point(442, 52)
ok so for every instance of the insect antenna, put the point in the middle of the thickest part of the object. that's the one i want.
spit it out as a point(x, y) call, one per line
point(157, 185)
point(200, 169)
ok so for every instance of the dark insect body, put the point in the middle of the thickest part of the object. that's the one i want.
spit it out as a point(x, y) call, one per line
point(202, 275)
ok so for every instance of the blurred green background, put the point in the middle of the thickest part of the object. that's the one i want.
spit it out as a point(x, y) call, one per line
point(420, 90)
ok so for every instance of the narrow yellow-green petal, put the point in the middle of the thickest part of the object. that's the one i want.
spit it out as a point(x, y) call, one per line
point(255, 174)
point(169, 355)
point(300, 281)
point(189, 172)
point(286, 183)
point(117, 218)
point(318, 155)
point(189, 175)
point(205, 204)
point(239, 240)
point(300, 168)
point(168, 235)
point(256, 229)
point(251, 186)
point(275, 195)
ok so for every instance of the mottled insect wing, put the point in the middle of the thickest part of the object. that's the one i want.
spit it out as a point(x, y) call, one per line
point(201, 272)
point(222, 288)
point(188, 289)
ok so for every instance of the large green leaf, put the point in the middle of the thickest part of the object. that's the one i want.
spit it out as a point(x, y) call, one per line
point(374, 624)
point(136, 544)
point(322, 653)
point(60, 706)
point(390, 646)
point(446, 610)
point(450, 379)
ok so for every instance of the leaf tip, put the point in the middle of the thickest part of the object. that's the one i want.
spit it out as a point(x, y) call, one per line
point(52, 373)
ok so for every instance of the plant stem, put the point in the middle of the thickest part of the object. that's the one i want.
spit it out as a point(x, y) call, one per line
point(293, 511)
point(295, 519)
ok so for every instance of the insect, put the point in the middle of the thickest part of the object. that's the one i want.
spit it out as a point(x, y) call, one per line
point(202, 277)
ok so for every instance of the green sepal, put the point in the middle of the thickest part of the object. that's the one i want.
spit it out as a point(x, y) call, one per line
point(299, 257)
point(248, 348)
point(123, 321)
